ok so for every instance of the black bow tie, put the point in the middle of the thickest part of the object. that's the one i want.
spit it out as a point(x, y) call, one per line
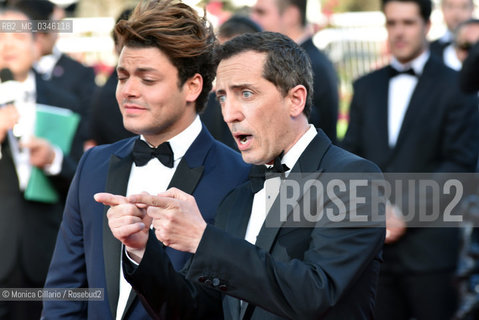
point(394, 72)
point(142, 153)
point(259, 174)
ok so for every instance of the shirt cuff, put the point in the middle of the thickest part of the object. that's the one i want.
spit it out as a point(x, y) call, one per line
point(129, 258)
point(55, 167)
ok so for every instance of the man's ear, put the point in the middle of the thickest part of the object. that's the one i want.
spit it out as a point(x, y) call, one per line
point(193, 87)
point(297, 97)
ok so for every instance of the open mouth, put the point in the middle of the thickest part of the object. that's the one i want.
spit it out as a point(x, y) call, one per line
point(243, 139)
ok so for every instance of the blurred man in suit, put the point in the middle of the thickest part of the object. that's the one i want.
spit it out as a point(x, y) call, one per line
point(28, 228)
point(469, 74)
point(165, 73)
point(253, 264)
point(289, 18)
point(57, 67)
point(408, 117)
point(454, 12)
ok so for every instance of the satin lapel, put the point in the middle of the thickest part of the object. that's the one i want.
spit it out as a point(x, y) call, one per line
point(233, 307)
point(190, 169)
point(423, 90)
point(381, 92)
point(129, 303)
point(186, 178)
point(236, 226)
point(307, 167)
point(117, 183)
point(238, 222)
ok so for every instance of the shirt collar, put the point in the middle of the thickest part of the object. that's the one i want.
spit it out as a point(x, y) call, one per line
point(292, 156)
point(45, 64)
point(417, 64)
point(182, 141)
point(447, 37)
point(29, 87)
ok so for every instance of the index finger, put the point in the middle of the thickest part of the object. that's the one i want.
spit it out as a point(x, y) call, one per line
point(150, 200)
point(109, 199)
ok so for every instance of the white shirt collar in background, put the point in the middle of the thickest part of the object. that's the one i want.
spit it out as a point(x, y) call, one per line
point(45, 64)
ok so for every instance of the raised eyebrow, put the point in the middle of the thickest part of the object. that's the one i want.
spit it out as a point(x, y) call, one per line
point(145, 69)
point(241, 86)
point(235, 88)
point(137, 70)
point(120, 69)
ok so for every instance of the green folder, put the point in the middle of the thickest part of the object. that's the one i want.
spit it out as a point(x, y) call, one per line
point(58, 126)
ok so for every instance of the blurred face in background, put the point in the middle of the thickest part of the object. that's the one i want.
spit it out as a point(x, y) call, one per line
point(456, 11)
point(267, 14)
point(406, 29)
point(466, 37)
point(17, 49)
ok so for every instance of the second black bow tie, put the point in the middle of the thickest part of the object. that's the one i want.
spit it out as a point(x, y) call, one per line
point(142, 153)
point(259, 174)
point(394, 72)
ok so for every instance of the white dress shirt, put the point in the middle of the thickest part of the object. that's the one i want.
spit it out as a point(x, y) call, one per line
point(24, 129)
point(400, 92)
point(264, 198)
point(154, 178)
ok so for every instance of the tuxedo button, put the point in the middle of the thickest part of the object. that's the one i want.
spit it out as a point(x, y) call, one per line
point(216, 282)
point(223, 287)
point(202, 279)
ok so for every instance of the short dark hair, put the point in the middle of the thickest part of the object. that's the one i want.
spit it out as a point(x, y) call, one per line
point(180, 33)
point(425, 7)
point(237, 25)
point(466, 23)
point(287, 64)
point(36, 9)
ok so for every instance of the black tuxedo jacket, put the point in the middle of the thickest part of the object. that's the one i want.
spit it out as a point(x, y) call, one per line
point(324, 113)
point(28, 229)
point(439, 133)
point(293, 272)
point(469, 74)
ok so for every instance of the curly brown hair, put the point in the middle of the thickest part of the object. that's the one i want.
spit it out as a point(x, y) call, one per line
point(179, 32)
